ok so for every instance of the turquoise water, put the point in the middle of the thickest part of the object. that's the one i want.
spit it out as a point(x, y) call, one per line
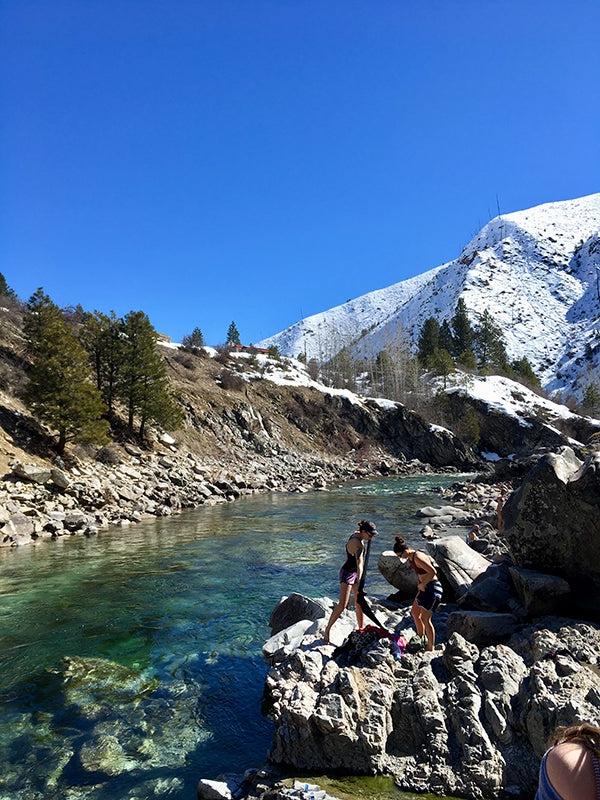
point(177, 610)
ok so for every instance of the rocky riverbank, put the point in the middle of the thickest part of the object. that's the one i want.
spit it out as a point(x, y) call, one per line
point(41, 502)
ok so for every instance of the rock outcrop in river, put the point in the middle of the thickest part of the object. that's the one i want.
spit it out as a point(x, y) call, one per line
point(463, 720)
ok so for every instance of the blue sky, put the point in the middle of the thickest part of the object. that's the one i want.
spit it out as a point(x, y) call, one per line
point(258, 160)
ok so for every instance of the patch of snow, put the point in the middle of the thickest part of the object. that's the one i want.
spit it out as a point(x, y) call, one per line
point(440, 429)
point(211, 352)
point(169, 345)
point(487, 456)
point(383, 402)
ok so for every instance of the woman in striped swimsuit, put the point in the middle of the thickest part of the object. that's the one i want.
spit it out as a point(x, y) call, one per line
point(570, 770)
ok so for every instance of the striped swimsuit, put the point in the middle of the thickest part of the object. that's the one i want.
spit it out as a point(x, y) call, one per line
point(547, 792)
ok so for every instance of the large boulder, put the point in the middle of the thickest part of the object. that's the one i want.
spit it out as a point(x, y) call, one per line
point(31, 472)
point(400, 575)
point(458, 563)
point(482, 627)
point(298, 607)
point(552, 523)
point(539, 593)
point(19, 529)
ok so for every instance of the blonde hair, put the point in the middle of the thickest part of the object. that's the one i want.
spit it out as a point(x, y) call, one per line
point(584, 734)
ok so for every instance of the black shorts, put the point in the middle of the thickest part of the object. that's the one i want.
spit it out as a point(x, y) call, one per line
point(429, 598)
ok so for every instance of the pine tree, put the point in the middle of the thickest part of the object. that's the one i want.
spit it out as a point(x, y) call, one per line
point(467, 359)
point(273, 352)
point(524, 372)
point(313, 369)
point(144, 385)
point(59, 392)
point(233, 335)
point(102, 337)
point(591, 400)
point(441, 363)
point(429, 340)
point(446, 339)
point(463, 334)
point(489, 344)
point(5, 290)
point(193, 339)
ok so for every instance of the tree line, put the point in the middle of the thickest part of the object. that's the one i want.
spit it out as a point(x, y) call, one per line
point(87, 366)
point(482, 347)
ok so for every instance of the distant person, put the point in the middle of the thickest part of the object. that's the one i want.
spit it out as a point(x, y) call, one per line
point(351, 573)
point(570, 770)
point(474, 534)
point(429, 588)
point(500, 511)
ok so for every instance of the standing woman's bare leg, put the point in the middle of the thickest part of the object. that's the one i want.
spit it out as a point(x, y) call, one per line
point(416, 610)
point(342, 604)
point(360, 617)
point(429, 629)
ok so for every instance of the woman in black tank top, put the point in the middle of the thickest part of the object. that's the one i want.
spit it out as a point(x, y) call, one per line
point(350, 574)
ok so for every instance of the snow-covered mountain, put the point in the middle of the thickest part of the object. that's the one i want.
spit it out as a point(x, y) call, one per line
point(538, 273)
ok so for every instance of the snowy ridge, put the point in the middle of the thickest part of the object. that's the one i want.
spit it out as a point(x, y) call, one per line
point(537, 271)
point(510, 398)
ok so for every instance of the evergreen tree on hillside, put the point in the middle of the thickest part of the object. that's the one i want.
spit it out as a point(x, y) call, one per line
point(59, 392)
point(467, 360)
point(489, 344)
point(144, 385)
point(591, 400)
point(233, 335)
point(442, 363)
point(429, 340)
point(524, 372)
point(463, 334)
point(102, 337)
point(446, 339)
point(193, 339)
point(5, 290)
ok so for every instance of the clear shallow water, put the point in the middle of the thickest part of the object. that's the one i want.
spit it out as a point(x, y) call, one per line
point(182, 603)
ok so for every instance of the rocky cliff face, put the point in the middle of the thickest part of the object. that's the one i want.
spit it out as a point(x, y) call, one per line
point(463, 720)
point(553, 523)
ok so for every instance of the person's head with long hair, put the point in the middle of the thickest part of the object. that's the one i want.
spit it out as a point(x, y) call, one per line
point(585, 734)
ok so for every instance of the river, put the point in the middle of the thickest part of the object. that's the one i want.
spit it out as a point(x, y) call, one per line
point(177, 608)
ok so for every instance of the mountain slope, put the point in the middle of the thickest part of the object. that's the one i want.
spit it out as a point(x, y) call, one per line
point(537, 271)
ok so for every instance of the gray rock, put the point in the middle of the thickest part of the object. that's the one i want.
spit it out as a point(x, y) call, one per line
point(553, 522)
point(31, 472)
point(286, 640)
point(399, 575)
point(105, 754)
point(213, 790)
point(59, 478)
point(539, 593)
point(482, 627)
point(459, 564)
point(297, 607)
point(444, 511)
point(18, 530)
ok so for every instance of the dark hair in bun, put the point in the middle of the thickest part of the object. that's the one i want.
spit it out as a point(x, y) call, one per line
point(366, 526)
point(400, 544)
